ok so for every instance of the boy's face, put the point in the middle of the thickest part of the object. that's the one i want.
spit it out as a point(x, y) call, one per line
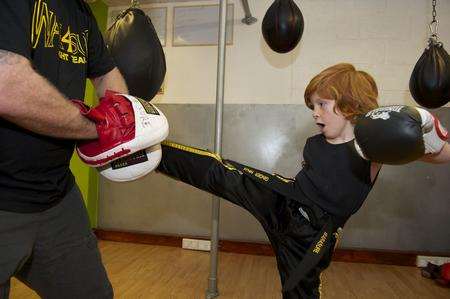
point(332, 124)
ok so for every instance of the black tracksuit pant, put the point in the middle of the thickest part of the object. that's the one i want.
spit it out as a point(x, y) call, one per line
point(289, 231)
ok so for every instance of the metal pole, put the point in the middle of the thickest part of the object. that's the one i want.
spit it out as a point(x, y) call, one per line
point(212, 290)
point(249, 19)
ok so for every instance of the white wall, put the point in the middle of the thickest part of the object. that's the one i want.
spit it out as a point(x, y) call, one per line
point(407, 208)
point(382, 37)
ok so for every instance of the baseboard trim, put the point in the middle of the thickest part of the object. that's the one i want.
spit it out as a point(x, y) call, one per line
point(387, 257)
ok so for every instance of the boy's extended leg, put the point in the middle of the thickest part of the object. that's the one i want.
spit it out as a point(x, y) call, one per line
point(289, 232)
point(207, 171)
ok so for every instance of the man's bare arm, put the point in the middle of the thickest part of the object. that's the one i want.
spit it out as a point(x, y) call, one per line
point(30, 101)
point(112, 80)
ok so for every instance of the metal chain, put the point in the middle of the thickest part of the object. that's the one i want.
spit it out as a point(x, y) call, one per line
point(135, 3)
point(434, 10)
point(434, 24)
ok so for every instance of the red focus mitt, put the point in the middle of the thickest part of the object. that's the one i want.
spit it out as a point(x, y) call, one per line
point(125, 125)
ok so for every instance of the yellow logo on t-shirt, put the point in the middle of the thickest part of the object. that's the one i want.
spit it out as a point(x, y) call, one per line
point(45, 27)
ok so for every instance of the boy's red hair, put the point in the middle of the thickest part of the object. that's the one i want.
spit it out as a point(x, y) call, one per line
point(355, 92)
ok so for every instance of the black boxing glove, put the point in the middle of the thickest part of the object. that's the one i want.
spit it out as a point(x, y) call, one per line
point(398, 134)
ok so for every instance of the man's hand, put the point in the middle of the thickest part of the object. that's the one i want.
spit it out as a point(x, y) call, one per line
point(125, 125)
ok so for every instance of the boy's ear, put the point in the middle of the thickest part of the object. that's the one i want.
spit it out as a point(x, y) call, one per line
point(338, 111)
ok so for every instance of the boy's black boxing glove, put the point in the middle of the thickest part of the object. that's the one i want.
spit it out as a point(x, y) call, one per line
point(398, 134)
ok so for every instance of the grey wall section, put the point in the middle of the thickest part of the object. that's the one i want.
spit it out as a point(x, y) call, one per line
point(407, 209)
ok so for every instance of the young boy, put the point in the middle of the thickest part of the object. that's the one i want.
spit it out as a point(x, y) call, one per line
point(301, 216)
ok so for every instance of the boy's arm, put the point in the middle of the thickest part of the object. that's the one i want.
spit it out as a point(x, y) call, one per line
point(442, 157)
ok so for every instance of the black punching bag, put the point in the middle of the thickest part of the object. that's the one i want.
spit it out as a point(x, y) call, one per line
point(430, 80)
point(137, 51)
point(282, 26)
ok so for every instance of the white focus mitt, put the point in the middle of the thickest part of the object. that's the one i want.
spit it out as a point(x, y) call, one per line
point(134, 166)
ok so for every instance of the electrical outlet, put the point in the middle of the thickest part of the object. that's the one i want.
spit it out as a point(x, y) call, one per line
point(422, 261)
point(190, 244)
point(195, 244)
point(204, 245)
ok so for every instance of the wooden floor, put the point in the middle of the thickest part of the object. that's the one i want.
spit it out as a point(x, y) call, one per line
point(145, 271)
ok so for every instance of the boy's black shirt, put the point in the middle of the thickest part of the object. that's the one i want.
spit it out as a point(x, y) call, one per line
point(334, 176)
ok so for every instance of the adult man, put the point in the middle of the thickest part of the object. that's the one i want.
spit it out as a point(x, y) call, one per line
point(48, 48)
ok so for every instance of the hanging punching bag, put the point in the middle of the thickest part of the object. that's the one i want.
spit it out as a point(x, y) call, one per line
point(282, 26)
point(430, 80)
point(137, 51)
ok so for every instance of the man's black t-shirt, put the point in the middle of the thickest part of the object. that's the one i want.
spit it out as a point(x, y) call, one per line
point(64, 45)
point(334, 176)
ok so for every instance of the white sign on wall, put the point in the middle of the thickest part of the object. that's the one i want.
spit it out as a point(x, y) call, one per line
point(199, 25)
